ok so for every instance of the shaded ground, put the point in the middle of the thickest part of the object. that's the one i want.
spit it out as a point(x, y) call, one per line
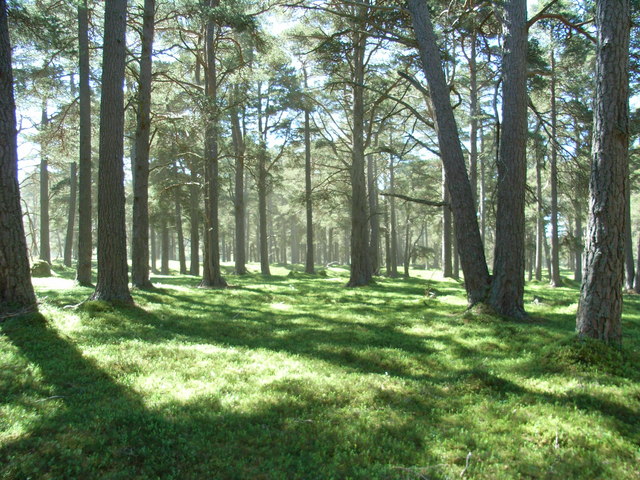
point(298, 377)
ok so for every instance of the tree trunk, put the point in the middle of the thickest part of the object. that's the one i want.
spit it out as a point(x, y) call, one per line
point(474, 265)
point(600, 305)
point(628, 246)
point(309, 260)
point(182, 258)
point(16, 291)
point(579, 247)
point(447, 270)
point(212, 276)
point(262, 211)
point(154, 250)
point(556, 281)
point(393, 239)
point(112, 282)
point(239, 205)
point(374, 214)
point(45, 243)
point(140, 168)
point(636, 285)
point(473, 127)
point(194, 214)
point(85, 248)
point(507, 288)
point(360, 266)
point(540, 211)
point(164, 246)
point(73, 194)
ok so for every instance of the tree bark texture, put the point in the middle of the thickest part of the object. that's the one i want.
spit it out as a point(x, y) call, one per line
point(361, 273)
point(556, 281)
point(45, 242)
point(212, 273)
point(182, 258)
point(393, 223)
point(71, 222)
point(112, 282)
point(600, 305)
point(507, 287)
point(194, 214)
point(447, 269)
point(16, 291)
point(474, 265)
point(239, 204)
point(85, 242)
point(140, 236)
point(309, 266)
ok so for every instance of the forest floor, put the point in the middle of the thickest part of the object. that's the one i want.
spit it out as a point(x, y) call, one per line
point(295, 376)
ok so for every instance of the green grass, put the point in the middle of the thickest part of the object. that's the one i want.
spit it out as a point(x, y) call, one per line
point(297, 377)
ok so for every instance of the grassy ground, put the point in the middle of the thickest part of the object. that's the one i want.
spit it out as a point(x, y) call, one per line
point(297, 377)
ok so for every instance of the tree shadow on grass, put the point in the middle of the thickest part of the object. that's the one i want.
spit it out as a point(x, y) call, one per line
point(101, 429)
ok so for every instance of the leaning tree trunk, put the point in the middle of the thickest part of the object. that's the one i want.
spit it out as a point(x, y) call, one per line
point(45, 244)
point(140, 170)
point(16, 291)
point(112, 241)
point(85, 248)
point(73, 193)
point(361, 273)
point(474, 265)
point(507, 287)
point(600, 305)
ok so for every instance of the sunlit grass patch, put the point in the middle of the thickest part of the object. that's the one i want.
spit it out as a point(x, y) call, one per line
point(295, 376)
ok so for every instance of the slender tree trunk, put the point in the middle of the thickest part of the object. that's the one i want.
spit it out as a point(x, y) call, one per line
point(112, 242)
point(16, 291)
point(579, 247)
point(628, 246)
point(140, 170)
point(239, 205)
point(164, 260)
point(507, 288)
point(182, 258)
point(393, 223)
point(45, 243)
point(556, 281)
point(194, 214)
point(71, 222)
point(374, 214)
point(473, 127)
point(540, 212)
point(262, 211)
point(600, 305)
point(636, 285)
point(154, 250)
point(309, 260)
point(447, 269)
point(212, 276)
point(360, 265)
point(473, 260)
point(85, 248)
